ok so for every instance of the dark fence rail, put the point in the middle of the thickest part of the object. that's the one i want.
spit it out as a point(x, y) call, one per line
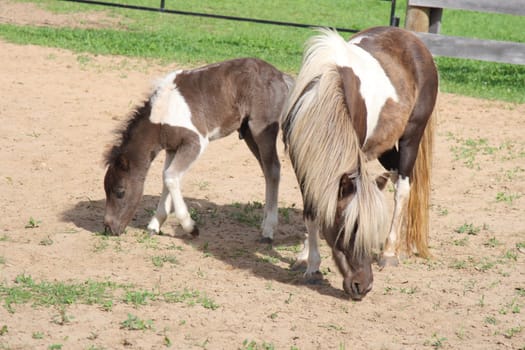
point(393, 19)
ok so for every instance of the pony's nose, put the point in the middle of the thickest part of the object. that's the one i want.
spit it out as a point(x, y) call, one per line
point(108, 227)
point(355, 289)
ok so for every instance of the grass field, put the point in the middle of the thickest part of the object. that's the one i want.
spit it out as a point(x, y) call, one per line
point(196, 40)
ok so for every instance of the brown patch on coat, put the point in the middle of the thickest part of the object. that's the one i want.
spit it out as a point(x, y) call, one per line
point(354, 101)
point(222, 95)
point(406, 62)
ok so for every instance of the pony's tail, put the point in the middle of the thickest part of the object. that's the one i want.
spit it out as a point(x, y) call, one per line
point(419, 201)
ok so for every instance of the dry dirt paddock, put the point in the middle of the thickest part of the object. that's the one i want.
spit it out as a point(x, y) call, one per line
point(64, 285)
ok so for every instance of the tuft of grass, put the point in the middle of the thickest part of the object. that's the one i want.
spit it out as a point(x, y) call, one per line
point(459, 264)
point(435, 341)
point(33, 223)
point(137, 298)
point(491, 320)
point(37, 335)
point(191, 298)
point(492, 243)
point(252, 345)
point(508, 198)
point(469, 229)
point(460, 242)
point(46, 241)
point(159, 261)
point(511, 332)
point(249, 214)
point(133, 323)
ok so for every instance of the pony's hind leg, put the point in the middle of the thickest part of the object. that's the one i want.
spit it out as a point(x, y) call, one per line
point(390, 161)
point(263, 146)
point(165, 206)
point(401, 196)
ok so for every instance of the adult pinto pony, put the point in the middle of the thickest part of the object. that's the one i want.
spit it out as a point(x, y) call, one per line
point(187, 110)
point(369, 98)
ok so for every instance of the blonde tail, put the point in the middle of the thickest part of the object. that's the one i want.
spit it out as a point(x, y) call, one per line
point(419, 201)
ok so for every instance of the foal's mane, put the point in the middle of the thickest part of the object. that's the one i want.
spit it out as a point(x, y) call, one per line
point(323, 145)
point(123, 133)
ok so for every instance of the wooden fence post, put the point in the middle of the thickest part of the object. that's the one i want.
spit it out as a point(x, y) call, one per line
point(418, 19)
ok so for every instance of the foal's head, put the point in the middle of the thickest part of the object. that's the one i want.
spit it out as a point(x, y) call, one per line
point(127, 165)
point(123, 193)
point(359, 226)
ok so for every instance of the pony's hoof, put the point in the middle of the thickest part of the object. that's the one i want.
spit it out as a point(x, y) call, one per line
point(265, 240)
point(153, 232)
point(390, 261)
point(195, 232)
point(314, 278)
point(299, 265)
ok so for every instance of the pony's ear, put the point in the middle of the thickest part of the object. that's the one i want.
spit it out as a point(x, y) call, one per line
point(347, 185)
point(122, 163)
point(381, 180)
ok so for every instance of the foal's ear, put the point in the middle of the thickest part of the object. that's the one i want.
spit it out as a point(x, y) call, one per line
point(347, 185)
point(122, 163)
point(381, 180)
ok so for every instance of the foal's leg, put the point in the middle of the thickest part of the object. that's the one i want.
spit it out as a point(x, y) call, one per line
point(164, 208)
point(184, 157)
point(263, 146)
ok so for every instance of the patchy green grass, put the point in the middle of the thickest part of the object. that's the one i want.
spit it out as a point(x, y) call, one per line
point(197, 40)
point(104, 294)
point(249, 214)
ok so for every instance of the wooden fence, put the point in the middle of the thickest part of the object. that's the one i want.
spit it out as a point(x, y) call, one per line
point(424, 17)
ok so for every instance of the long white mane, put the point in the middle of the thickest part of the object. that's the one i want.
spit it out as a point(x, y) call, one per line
point(323, 144)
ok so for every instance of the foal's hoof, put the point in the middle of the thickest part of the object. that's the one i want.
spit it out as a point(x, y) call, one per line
point(390, 261)
point(153, 232)
point(314, 278)
point(265, 240)
point(195, 232)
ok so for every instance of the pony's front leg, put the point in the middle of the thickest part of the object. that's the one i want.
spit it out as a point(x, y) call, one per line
point(310, 254)
point(402, 192)
point(181, 210)
point(164, 208)
point(183, 158)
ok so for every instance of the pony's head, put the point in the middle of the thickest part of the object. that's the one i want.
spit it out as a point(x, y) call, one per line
point(357, 231)
point(123, 194)
point(127, 165)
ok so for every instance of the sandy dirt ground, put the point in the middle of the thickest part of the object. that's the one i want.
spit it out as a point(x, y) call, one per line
point(58, 111)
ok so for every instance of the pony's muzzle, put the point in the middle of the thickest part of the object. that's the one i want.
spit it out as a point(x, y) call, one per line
point(356, 289)
point(110, 228)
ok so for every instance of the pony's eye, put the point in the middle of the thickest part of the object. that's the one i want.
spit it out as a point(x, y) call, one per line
point(120, 193)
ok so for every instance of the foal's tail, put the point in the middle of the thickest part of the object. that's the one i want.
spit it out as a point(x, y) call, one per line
point(419, 200)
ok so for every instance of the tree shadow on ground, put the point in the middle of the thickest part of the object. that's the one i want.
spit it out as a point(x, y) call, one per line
point(229, 233)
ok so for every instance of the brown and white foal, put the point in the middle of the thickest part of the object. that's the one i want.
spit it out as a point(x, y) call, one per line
point(187, 110)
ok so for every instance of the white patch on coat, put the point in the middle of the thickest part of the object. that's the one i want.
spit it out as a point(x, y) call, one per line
point(169, 107)
point(376, 87)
